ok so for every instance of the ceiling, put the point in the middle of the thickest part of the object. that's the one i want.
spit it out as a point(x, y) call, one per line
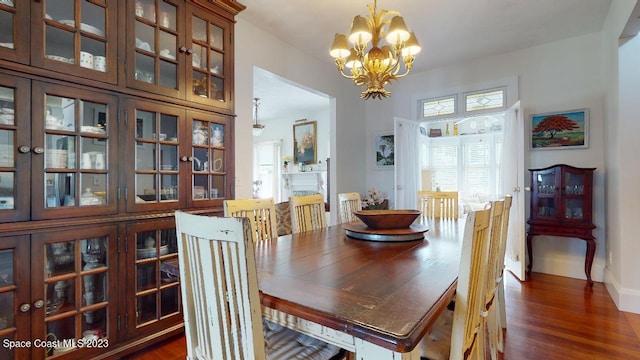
point(449, 31)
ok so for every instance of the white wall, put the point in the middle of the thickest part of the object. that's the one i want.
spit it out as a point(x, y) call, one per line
point(558, 76)
point(622, 192)
point(256, 47)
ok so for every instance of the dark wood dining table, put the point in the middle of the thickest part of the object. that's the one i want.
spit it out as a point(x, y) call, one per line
point(376, 299)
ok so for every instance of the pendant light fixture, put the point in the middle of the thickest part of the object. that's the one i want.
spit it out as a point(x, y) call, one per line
point(257, 127)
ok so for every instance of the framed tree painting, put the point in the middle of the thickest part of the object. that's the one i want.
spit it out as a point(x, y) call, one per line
point(384, 151)
point(560, 130)
point(305, 143)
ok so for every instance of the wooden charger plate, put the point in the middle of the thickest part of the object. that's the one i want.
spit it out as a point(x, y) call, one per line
point(358, 230)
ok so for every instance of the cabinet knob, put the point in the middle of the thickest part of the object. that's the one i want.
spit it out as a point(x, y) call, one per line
point(24, 149)
point(182, 49)
point(25, 307)
point(38, 150)
point(189, 51)
point(38, 304)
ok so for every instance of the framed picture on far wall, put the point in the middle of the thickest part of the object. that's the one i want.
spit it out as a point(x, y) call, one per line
point(384, 151)
point(560, 130)
point(305, 142)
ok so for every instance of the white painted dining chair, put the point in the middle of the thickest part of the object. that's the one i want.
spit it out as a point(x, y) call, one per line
point(347, 204)
point(496, 335)
point(458, 334)
point(307, 213)
point(490, 306)
point(220, 297)
point(261, 212)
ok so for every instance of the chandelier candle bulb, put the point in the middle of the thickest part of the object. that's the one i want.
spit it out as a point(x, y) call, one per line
point(372, 65)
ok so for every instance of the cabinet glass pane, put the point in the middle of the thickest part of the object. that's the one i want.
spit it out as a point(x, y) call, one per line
point(574, 209)
point(216, 63)
point(7, 320)
point(6, 190)
point(546, 207)
point(216, 39)
point(156, 157)
point(6, 27)
point(76, 148)
point(546, 183)
point(208, 160)
point(7, 148)
point(167, 16)
point(573, 183)
point(207, 60)
point(60, 189)
point(156, 38)
point(59, 45)
point(145, 68)
point(76, 278)
point(157, 276)
point(60, 334)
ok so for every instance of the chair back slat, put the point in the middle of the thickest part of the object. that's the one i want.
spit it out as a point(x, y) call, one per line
point(495, 244)
point(438, 204)
point(347, 204)
point(219, 285)
point(261, 212)
point(307, 213)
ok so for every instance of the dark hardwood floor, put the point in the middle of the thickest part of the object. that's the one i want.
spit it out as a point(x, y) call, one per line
point(549, 317)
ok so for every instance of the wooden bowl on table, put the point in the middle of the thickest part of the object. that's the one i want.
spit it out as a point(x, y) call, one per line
point(387, 219)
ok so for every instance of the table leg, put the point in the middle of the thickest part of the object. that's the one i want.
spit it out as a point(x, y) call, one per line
point(588, 259)
point(368, 351)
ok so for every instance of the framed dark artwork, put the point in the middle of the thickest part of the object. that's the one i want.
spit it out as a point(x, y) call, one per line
point(560, 130)
point(305, 142)
point(384, 151)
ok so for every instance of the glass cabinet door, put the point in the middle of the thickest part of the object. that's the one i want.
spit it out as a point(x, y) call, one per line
point(210, 156)
point(74, 290)
point(75, 148)
point(573, 194)
point(15, 149)
point(154, 46)
point(156, 275)
point(156, 159)
point(77, 36)
point(14, 30)
point(545, 193)
point(209, 70)
point(15, 305)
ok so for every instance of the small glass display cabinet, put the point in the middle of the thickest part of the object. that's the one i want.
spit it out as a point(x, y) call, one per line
point(561, 205)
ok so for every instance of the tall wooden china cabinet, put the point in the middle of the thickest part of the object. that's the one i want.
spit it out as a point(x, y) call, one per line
point(561, 205)
point(113, 114)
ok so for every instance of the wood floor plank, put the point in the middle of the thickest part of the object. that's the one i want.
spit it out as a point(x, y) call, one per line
point(549, 318)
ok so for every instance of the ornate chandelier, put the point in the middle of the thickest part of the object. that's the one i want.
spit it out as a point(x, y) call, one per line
point(375, 68)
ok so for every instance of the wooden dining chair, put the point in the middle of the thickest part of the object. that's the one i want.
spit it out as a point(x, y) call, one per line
point(283, 218)
point(490, 305)
point(220, 297)
point(438, 204)
point(261, 212)
point(347, 204)
point(307, 213)
point(458, 334)
point(501, 311)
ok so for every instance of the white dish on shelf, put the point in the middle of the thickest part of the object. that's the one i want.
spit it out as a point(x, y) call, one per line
point(7, 110)
point(151, 252)
point(92, 129)
point(48, 17)
point(7, 45)
point(84, 27)
point(58, 58)
point(6, 119)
